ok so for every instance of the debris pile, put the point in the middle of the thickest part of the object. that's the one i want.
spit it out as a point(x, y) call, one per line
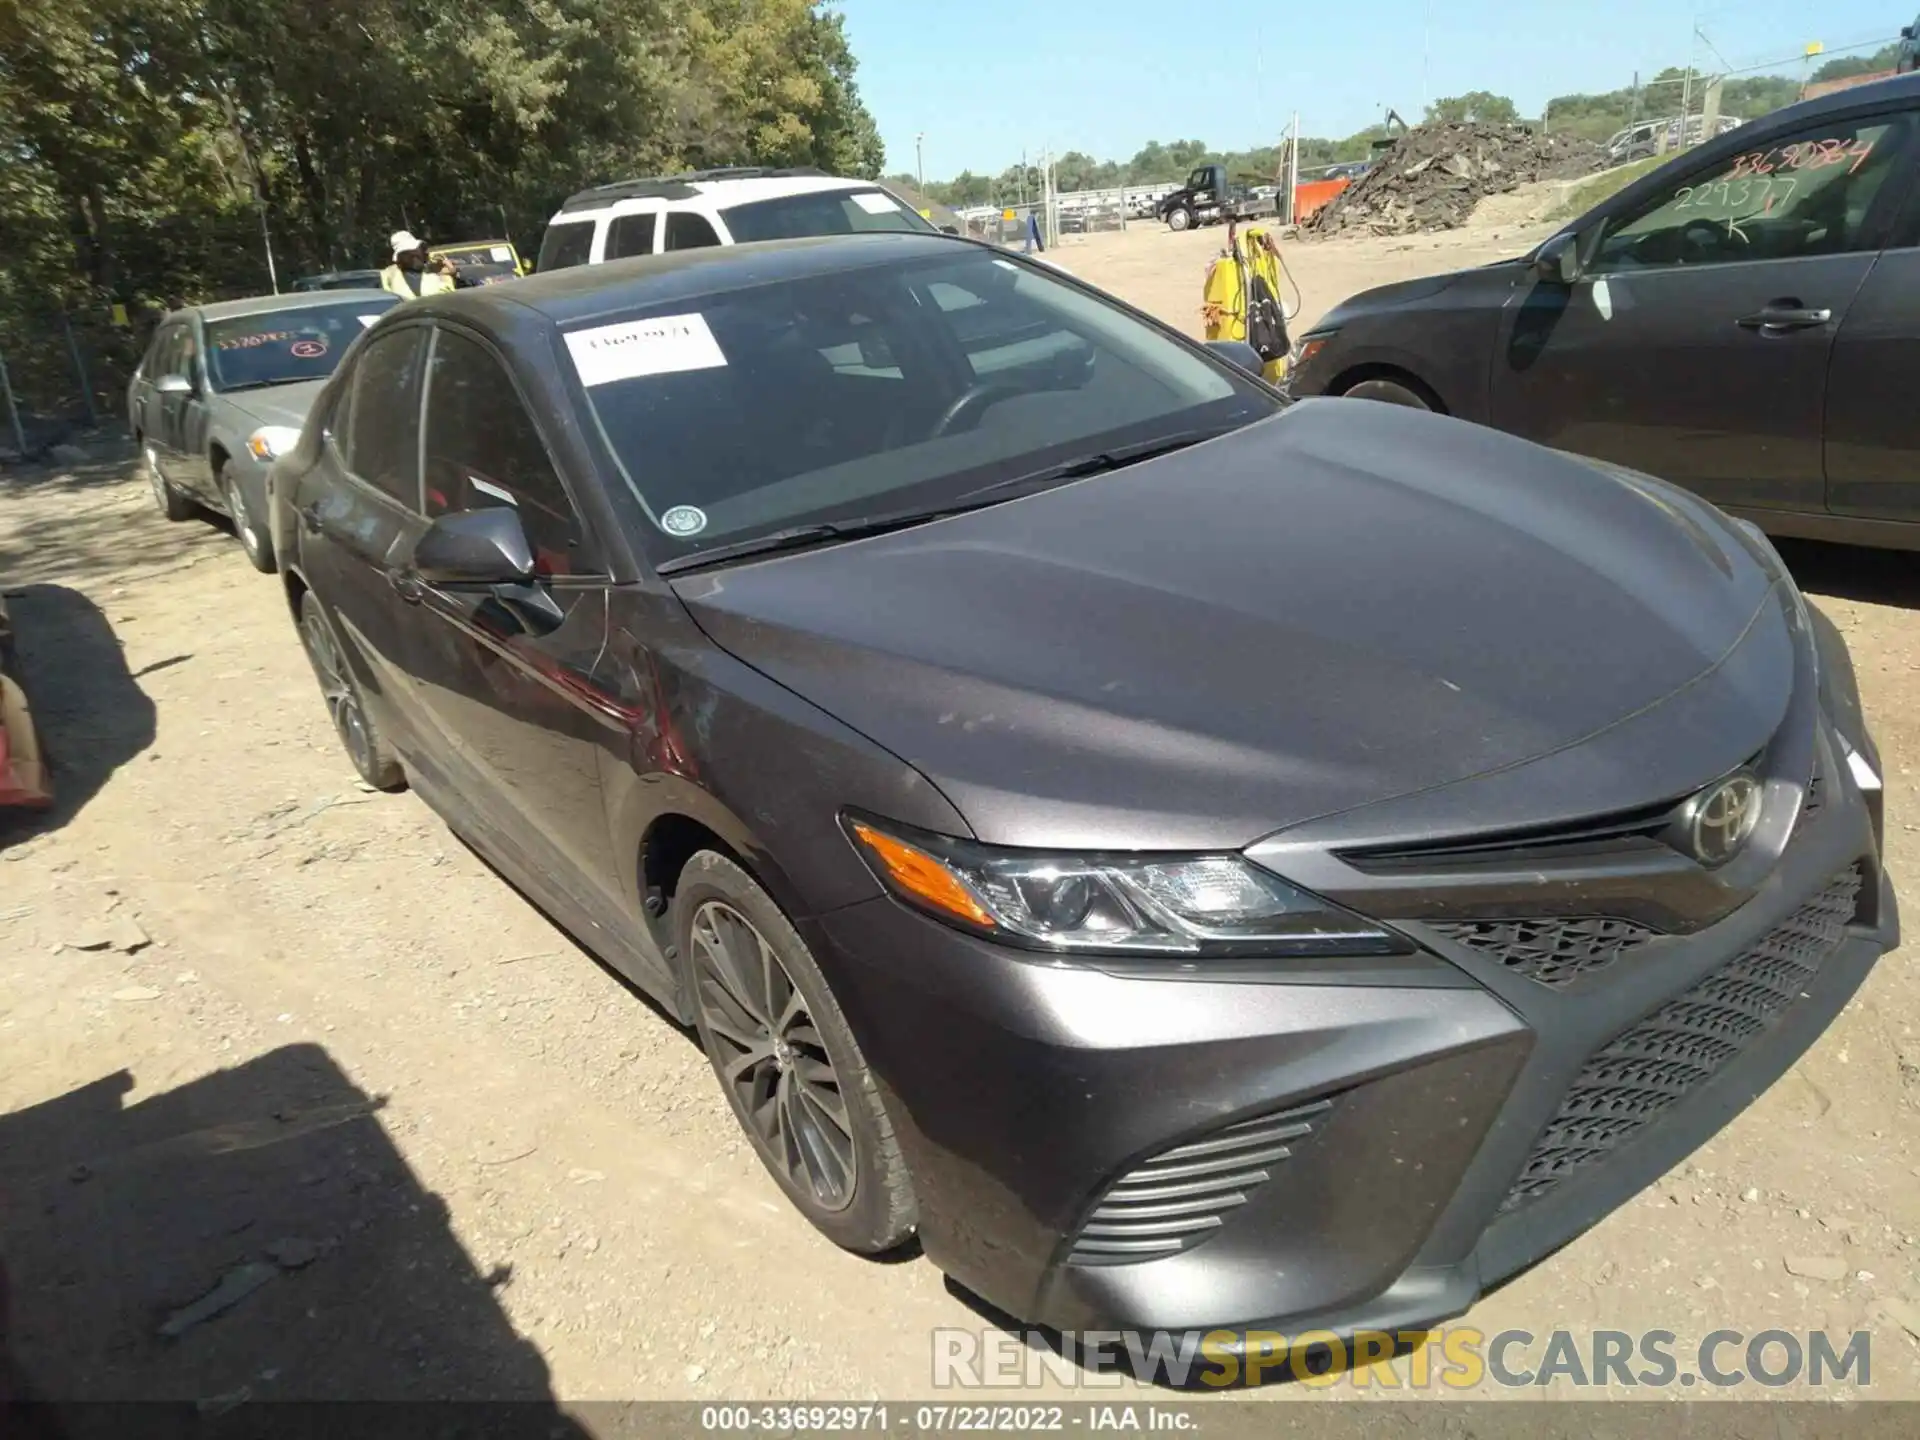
point(1434, 175)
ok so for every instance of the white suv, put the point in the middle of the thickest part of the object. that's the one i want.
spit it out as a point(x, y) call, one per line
point(715, 207)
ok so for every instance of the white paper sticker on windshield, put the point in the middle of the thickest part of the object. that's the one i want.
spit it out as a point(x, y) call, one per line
point(875, 204)
point(1603, 299)
point(644, 347)
point(494, 490)
point(684, 520)
point(366, 320)
point(501, 253)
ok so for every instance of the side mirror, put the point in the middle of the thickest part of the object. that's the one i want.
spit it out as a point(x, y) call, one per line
point(475, 547)
point(173, 385)
point(1240, 355)
point(1558, 261)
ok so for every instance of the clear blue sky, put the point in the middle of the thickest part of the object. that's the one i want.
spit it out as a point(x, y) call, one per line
point(982, 78)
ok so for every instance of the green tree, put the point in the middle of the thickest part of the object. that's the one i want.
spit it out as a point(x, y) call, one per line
point(1478, 107)
point(150, 143)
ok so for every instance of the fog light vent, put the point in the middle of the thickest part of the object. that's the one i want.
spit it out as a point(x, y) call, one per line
point(1181, 1196)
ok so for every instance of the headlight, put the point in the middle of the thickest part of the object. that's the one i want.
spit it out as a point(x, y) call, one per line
point(270, 442)
point(1092, 904)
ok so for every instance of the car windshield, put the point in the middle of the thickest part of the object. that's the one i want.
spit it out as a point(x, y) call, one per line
point(485, 264)
point(828, 212)
point(882, 390)
point(284, 346)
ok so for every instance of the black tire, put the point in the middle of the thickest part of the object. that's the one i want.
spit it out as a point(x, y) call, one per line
point(171, 502)
point(1179, 218)
point(248, 528)
point(877, 1210)
point(372, 758)
point(1390, 392)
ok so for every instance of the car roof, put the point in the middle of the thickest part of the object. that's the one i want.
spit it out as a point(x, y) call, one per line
point(582, 291)
point(272, 304)
point(743, 190)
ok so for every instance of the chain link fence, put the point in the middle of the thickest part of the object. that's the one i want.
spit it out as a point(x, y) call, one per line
point(62, 373)
point(1071, 213)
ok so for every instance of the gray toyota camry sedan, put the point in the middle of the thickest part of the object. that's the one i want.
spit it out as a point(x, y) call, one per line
point(1194, 860)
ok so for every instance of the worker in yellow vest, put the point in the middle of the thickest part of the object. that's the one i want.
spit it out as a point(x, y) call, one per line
point(411, 274)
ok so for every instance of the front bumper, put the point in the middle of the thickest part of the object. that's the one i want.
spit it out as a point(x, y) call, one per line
point(1384, 1110)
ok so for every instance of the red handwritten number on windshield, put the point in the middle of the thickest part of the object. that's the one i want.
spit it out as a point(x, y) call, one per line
point(1804, 155)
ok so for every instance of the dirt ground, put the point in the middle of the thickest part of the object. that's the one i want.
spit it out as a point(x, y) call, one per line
point(299, 1099)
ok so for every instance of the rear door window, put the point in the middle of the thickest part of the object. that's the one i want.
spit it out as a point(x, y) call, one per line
point(688, 230)
point(630, 235)
point(383, 429)
point(566, 243)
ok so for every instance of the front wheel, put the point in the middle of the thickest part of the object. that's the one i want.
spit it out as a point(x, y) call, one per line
point(1390, 391)
point(376, 764)
point(247, 526)
point(789, 1065)
point(1180, 219)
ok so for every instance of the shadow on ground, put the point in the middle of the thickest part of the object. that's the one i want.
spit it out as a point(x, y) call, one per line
point(91, 715)
point(1852, 572)
point(248, 1238)
point(96, 521)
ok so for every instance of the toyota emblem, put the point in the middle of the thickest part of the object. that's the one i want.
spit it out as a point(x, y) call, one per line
point(1719, 820)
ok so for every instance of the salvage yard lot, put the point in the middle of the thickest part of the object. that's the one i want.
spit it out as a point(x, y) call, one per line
point(265, 1027)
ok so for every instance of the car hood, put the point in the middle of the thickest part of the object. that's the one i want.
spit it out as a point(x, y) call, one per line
point(1342, 604)
point(1386, 297)
point(277, 404)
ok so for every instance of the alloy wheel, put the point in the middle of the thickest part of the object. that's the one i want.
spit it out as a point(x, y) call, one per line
point(771, 1056)
point(343, 705)
point(242, 521)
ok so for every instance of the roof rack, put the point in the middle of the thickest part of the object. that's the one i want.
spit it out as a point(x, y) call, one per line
point(680, 187)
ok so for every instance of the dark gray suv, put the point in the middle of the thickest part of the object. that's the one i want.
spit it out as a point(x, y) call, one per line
point(1192, 860)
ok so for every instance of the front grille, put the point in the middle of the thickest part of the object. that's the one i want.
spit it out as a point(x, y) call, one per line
point(1181, 1196)
point(1553, 952)
point(1595, 835)
point(1641, 1074)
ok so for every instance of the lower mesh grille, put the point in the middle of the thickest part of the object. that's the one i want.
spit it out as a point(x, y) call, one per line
point(1641, 1074)
point(1181, 1196)
point(1551, 951)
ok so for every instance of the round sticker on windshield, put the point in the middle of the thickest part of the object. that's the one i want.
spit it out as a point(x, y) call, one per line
point(308, 349)
point(684, 520)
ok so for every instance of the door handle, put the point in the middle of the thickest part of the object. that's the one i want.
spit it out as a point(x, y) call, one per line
point(406, 585)
point(310, 519)
point(1782, 316)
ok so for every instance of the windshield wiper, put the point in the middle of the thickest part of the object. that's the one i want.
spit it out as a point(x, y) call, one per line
point(1101, 461)
point(263, 384)
point(800, 537)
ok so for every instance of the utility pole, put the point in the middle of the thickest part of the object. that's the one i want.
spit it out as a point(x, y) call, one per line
point(1426, 57)
point(919, 160)
point(1686, 85)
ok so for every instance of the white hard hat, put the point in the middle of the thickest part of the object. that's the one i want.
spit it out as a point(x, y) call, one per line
point(404, 242)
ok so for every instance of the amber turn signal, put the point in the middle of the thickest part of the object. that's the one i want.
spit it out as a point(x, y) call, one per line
point(920, 875)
